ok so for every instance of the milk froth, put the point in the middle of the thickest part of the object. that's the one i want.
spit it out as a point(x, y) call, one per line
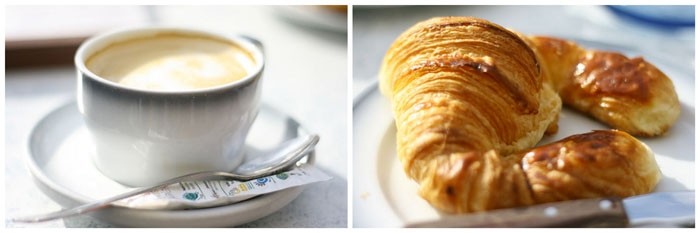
point(172, 62)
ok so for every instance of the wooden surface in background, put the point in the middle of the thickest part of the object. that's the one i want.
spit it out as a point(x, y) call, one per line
point(40, 36)
point(49, 52)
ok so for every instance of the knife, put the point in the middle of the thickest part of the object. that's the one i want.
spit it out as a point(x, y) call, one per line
point(664, 209)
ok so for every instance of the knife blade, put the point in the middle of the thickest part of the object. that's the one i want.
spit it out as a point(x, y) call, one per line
point(655, 209)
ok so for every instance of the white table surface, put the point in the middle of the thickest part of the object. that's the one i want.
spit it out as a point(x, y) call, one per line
point(305, 77)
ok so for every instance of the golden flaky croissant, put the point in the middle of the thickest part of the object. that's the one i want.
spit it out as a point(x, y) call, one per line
point(471, 98)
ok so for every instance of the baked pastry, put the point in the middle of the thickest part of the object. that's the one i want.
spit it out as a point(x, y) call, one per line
point(628, 94)
point(470, 98)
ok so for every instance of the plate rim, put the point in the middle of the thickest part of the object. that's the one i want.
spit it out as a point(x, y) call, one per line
point(379, 203)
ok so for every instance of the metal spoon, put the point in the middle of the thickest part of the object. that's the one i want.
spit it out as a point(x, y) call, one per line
point(284, 157)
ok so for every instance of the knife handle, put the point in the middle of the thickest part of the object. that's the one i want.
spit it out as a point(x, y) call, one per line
point(597, 212)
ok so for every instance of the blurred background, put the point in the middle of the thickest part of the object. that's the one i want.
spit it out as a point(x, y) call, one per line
point(664, 32)
point(305, 77)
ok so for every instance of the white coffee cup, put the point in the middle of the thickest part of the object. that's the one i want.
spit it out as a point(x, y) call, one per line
point(144, 135)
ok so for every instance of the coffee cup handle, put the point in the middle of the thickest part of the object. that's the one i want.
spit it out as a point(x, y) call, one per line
point(255, 42)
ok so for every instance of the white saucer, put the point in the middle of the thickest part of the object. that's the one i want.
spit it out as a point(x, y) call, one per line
point(63, 170)
point(383, 196)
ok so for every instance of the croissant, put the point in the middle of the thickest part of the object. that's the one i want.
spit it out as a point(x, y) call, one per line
point(470, 98)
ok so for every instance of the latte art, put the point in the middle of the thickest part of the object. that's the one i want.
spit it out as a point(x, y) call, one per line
point(172, 62)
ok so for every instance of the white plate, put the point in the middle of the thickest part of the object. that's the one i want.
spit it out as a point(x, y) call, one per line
point(383, 196)
point(62, 168)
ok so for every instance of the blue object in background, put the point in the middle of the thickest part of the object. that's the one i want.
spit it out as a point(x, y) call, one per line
point(665, 16)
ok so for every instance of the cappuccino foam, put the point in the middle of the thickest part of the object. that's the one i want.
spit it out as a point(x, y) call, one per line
point(172, 62)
